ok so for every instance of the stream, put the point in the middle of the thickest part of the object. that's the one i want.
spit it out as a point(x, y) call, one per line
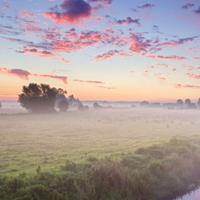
point(195, 195)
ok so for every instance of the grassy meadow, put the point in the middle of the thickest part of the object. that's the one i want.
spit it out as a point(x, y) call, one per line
point(28, 141)
point(159, 172)
point(102, 154)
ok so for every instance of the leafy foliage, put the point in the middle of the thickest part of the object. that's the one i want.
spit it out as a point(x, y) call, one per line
point(39, 98)
point(62, 101)
point(158, 172)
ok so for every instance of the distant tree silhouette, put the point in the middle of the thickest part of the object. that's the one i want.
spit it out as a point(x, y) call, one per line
point(188, 102)
point(39, 98)
point(74, 101)
point(198, 103)
point(97, 105)
point(71, 99)
point(179, 103)
point(62, 101)
point(155, 105)
point(82, 107)
point(144, 103)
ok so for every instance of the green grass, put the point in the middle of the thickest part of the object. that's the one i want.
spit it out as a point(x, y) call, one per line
point(29, 141)
point(112, 154)
point(158, 172)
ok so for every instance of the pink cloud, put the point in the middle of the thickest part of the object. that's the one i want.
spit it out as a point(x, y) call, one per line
point(88, 81)
point(16, 72)
point(60, 78)
point(187, 86)
point(194, 76)
point(173, 57)
point(110, 54)
point(44, 53)
point(138, 44)
point(193, 72)
point(23, 74)
point(35, 52)
point(162, 78)
point(175, 43)
point(174, 69)
point(84, 39)
point(26, 14)
point(105, 87)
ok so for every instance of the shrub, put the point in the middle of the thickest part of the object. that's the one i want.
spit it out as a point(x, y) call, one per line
point(158, 172)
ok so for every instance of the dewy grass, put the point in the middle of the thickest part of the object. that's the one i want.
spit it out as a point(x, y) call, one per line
point(159, 172)
point(27, 141)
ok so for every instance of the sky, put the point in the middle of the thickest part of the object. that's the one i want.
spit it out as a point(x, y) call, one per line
point(128, 50)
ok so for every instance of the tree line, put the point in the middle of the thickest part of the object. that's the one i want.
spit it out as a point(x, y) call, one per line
point(40, 98)
point(179, 104)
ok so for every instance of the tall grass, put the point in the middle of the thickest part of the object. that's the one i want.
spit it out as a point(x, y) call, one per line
point(160, 172)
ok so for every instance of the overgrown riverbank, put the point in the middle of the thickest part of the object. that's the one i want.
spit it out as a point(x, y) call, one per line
point(159, 172)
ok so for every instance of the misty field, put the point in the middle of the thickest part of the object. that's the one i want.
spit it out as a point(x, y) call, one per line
point(28, 141)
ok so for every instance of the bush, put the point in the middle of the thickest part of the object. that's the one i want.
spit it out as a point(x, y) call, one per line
point(158, 172)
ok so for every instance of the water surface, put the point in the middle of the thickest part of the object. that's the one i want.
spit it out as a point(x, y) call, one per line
point(195, 195)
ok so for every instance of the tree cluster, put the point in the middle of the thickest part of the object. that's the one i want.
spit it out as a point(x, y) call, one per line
point(39, 98)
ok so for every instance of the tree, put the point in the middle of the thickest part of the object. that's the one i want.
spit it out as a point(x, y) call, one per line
point(72, 100)
point(179, 103)
point(82, 107)
point(144, 103)
point(97, 105)
point(38, 98)
point(63, 105)
point(188, 102)
point(62, 101)
point(198, 103)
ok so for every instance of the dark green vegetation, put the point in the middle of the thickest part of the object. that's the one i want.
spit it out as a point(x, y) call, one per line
point(42, 98)
point(160, 172)
point(45, 99)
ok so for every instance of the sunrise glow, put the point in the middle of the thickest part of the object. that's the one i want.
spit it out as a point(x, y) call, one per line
point(101, 49)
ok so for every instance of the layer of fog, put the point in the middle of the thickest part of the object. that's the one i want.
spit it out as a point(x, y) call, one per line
point(12, 106)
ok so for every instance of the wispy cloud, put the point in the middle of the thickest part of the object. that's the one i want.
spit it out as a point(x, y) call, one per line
point(127, 21)
point(197, 11)
point(88, 81)
point(188, 5)
point(187, 86)
point(36, 52)
point(173, 57)
point(106, 87)
point(146, 5)
point(193, 72)
point(175, 43)
point(139, 44)
point(110, 54)
point(23, 74)
point(101, 1)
